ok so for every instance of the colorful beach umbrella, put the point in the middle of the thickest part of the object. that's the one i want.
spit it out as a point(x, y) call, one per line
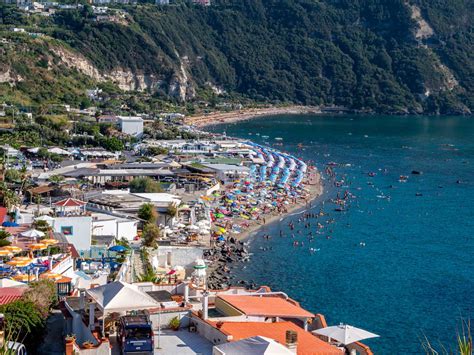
point(118, 248)
point(38, 246)
point(50, 276)
point(12, 248)
point(24, 278)
point(5, 252)
point(49, 241)
point(20, 263)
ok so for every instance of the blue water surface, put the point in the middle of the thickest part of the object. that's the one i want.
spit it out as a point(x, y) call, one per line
point(414, 278)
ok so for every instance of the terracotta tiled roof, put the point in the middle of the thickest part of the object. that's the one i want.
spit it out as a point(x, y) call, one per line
point(308, 344)
point(266, 306)
point(10, 294)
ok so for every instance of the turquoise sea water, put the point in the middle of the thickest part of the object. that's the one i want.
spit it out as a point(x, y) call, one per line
point(415, 275)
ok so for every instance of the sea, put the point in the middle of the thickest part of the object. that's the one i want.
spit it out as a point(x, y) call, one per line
point(398, 260)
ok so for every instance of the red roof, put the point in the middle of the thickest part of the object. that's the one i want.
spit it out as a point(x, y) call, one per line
point(10, 294)
point(70, 202)
point(308, 344)
point(268, 306)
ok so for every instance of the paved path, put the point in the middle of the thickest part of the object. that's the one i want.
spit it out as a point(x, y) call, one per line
point(53, 342)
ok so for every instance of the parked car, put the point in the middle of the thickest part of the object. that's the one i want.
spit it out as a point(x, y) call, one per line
point(135, 335)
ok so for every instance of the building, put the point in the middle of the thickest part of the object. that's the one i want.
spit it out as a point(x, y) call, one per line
point(227, 172)
point(162, 2)
point(131, 125)
point(202, 2)
point(104, 225)
point(76, 229)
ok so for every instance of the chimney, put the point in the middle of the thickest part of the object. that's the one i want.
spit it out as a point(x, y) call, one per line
point(82, 299)
point(291, 340)
point(205, 305)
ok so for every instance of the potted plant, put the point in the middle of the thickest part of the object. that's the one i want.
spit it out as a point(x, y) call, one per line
point(174, 323)
point(87, 345)
point(70, 338)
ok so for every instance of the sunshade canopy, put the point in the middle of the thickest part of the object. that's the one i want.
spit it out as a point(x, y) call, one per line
point(70, 202)
point(10, 283)
point(33, 233)
point(120, 296)
point(255, 345)
point(44, 218)
point(345, 334)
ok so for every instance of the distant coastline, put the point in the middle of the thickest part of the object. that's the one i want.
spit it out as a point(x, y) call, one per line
point(220, 117)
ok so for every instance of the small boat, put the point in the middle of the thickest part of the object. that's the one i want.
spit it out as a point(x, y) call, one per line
point(372, 174)
point(278, 138)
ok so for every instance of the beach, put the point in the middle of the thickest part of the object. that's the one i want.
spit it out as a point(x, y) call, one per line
point(219, 117)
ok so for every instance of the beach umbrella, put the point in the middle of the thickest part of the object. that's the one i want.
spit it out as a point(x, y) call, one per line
point(5, 252)
point(21, 258)
point(19, 263)
point(38, 246)
point(50, 276)
point(12, 248)
point(49, 241)
point(345, 334)
point(24, 277)
point(32, 233)
point(118, 248)
point(10, 224)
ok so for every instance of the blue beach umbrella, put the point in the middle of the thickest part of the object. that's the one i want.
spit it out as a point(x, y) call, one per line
point(118, 248)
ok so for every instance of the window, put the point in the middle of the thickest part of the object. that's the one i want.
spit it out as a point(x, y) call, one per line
point(67, 230)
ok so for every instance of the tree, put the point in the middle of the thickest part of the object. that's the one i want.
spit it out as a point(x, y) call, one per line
point(3, 238)
point(56, 179)
point(112, 144)
point(42, 294)
point(149, 276)
point(171, 212)
point(145, 184)
point(22, 321)
point(12, 175)
point(42, 226)
point(9, 197)
point(147, 212)
point(150, 234)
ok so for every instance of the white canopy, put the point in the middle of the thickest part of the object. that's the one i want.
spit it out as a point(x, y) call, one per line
point(257, 345)
point(45, 218)
point(58, 151)
point(33, 233)
point(345, 334)
point(120, 296)
point(11, 283)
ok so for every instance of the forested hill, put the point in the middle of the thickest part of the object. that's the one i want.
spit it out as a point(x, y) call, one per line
point(391, 56)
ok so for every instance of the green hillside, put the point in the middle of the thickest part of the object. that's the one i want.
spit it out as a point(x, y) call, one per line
point(364, 55)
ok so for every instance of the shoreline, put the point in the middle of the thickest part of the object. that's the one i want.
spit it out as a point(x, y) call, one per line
point(314, 189)
point(220, 117)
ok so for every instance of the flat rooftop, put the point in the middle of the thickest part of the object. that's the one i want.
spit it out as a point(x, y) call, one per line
point(181, 342)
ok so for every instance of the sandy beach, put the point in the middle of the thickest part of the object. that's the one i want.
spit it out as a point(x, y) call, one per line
point(314, 189)
point(245, 114)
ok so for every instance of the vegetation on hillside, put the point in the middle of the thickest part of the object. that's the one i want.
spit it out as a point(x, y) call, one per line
point(358, 54)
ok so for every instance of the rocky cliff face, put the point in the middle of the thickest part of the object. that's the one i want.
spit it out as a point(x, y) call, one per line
point(180, 86)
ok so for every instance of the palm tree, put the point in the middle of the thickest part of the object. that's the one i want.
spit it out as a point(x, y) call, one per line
point(10, 197)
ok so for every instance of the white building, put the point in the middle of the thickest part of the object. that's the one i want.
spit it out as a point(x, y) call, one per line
point(107, 225)
point(76, 229)
point(131, 125)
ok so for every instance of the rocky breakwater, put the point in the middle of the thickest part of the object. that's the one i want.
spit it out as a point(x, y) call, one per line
point(226, 255)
